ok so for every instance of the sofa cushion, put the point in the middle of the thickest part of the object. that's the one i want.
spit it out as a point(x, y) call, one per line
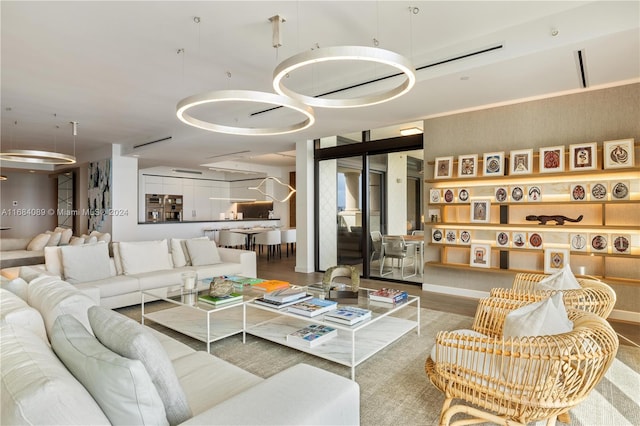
point(173, 348)
point(203, 252)
point(120, 386)
point(85, 263)
point(53, 261)
point(76, 241)
point(14, 310)
point(17, 286)
point(54, 238)
point(36, 388)
point(144, 256)
point(156, 279)
point(53, 297)
point(102, 237)
point(561, 280)
point(129, 339)
point(38, 242)
point(65, 234)
point(180, 253)
point(208, 380)
point(115, 247)
point(115, 286)
point(544, 318)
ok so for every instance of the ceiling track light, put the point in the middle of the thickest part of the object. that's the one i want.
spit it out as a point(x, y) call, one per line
point(346, 53)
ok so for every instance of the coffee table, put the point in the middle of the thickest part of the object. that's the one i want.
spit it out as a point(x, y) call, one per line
point(354, 344)
point(199, 320)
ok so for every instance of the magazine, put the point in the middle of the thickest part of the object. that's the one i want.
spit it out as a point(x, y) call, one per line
point(312, 335)
point(348, 315)
point(286, 294)
point(280, 305)
point(313, 307)
point(389, 295)
point(233, 297)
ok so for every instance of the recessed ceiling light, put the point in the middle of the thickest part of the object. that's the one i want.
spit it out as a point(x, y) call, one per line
point(411, 131)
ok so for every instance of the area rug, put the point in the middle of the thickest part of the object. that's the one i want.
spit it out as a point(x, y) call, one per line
point(394, 388)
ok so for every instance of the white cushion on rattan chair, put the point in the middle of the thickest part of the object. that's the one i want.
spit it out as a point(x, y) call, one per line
point(562, 280)
point(544, 318)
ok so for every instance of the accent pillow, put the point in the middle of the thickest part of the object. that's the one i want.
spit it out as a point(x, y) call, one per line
point(17, 286)
point(129, 339)
point(76, 241)
point(53, 261)
point(89, 262)
point(544, 318)
point(561, 280)
point(15, 311)
point(66, 234)
point(180, 253)
point(38, 242)
point(120, 386)
point(144, 256)
point(101, 236)
point(54, 238)
point(203, 252)
point(117, 260)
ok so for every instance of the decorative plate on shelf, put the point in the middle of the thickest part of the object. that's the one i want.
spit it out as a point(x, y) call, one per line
point(578, 242)
point(434, 195)
point(448, 196)
point(599, 242)
point(501, 195)
point(451, 236)
point(502, 239)
point(578, 192)
point(517, 193)
point(535, 240)
point(519, 239)
point(463, 195)
point(534, 193)
point(621, 244)
point(465, 237)
point(599, 191)
point(620, 191)
point(436, 236)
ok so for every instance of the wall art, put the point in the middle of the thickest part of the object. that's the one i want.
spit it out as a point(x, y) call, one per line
point(555, 259)
point(621, 243)
point(521, 162)
point(552, 159)
point(519, 239)
point(578, 192)
point(465, 237)
point(599, 191)
point(501, 194)
point(434, 195)
point(579, 242)
point(502, 239)
point(618, 154)
point(443, 168)
point(535, 240)
point(467, 165)
point(480, 255)
point(534, 193)
point(463, 195)
point(599, 242)
point(99, 191)
point(437, 236)
point(451, 236)
point(480, 211)
point(517, 193)
point(493, 164)
point(583, 156)
point(447, 196)
point(620, 190)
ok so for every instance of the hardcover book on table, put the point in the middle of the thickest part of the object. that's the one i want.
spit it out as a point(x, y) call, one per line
point(243, 280)
point(270, 285)
point(313, 307)
point(348, 315)
point(280, 305)
point(286, 294)
point(312, 335)
point(233, 297)
point(389, 295)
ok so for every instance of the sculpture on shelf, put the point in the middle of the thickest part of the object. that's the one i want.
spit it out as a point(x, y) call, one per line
point(220, 287)
point(559, 219)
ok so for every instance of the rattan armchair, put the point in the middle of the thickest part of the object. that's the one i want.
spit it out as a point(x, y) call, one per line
point(595, 296)
point(522, 379)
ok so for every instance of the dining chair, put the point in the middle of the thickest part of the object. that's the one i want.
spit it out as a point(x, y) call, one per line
point(272, 239)
point(395, 248)
point(288, 237)
point(376, 244)
point(227, 238)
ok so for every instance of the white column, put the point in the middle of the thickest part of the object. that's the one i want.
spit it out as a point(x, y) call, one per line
point(304, 207)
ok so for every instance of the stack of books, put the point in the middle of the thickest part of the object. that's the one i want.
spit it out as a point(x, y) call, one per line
point(313, 307)
point(389, 295)
point(312, 335)
point(348, 315)
point(283, 298)
point(217, 301)
point(270, 285)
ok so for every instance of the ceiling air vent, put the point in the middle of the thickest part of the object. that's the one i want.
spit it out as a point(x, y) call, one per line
point(581, 66)
point(191, 172)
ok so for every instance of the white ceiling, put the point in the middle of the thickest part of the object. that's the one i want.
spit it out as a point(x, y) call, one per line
point(114, 67)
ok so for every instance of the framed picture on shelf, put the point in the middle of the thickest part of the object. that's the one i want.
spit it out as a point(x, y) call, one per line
point(463, 195)
point(552, 159)
point(599, 243)
point(465, 236)
point(534, 193)
point(448, 196)
point(620, 190)
point(502, 239)
point(517, 193)
point(443, 168)
point(437, 235)
point(434, 195)
point(493, 164)
point(621, 243)
point(583, 156)
point(451, 236)
point(578, 192)
point(480, 210)
point(521, 162)
point(467, 165)
point(578, 242)
point(519, 240)
point(599, 191)
point(501, 194)
point(535, 240)
point(480, 255)
point(555, 259)
point(618, 154)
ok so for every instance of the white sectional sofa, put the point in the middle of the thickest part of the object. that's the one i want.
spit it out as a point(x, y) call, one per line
point(66, 361)
point(136, 266)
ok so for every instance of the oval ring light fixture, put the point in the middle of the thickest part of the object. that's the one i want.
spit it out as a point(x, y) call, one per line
point(346, 53)
point(40, 157)
point(244, 96)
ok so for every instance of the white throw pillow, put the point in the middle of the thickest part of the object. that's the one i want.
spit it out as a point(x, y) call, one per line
point(121, 387)
point(66, 234)
point(89, 262)
point(38, 242)
point(53, 261)
point(130, 339)
point(203, 252)
point(561, 280)
point(544, 318)
point(54, 238)
point(14, 310)
point(180, 253)
point(17, 286)
point(76, 241)
point(144, 256)
point(101, 236)
point(116, 258)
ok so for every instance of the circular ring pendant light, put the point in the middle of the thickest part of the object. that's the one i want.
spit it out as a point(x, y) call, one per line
point(346, 53)
point(39, 157)
point(244, 96)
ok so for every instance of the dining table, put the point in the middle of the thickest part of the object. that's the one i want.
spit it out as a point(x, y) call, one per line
point(418, 241)
point(249, 233)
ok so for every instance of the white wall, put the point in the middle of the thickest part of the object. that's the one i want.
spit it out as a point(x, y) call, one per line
point(397, 193)
point(305, 225)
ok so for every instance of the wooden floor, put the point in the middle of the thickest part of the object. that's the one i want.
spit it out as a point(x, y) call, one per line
point(284, 269)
